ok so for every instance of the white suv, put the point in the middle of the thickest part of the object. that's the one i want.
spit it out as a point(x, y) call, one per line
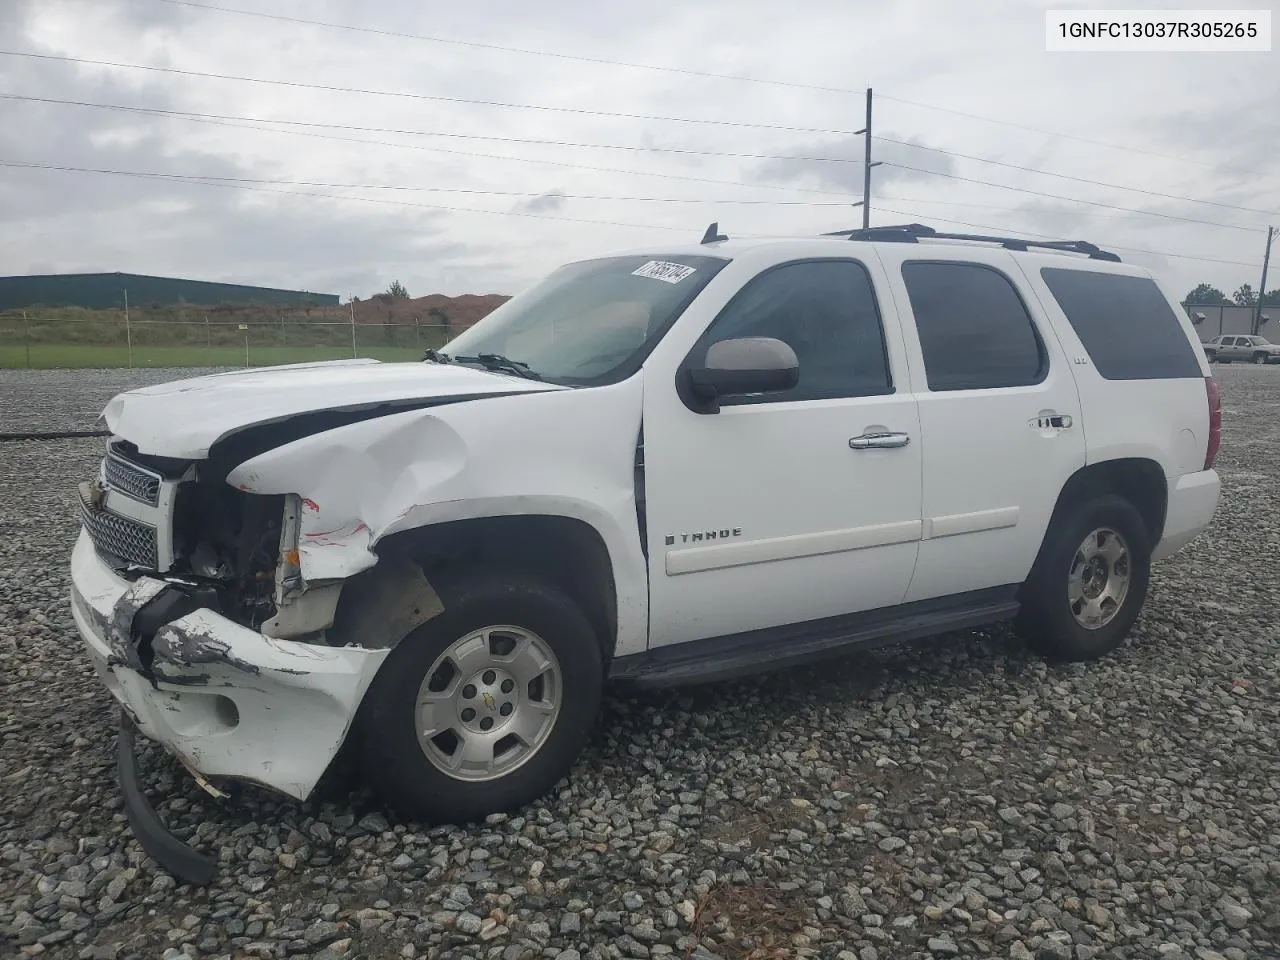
point(668, 466)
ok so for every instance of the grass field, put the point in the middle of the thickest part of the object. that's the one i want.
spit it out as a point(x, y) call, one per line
point(91, 356)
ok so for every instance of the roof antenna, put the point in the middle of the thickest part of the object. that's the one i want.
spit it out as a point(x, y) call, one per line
point(713, 234)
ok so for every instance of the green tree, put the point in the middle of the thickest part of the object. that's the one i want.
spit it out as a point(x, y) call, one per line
point(1245, 297)
point(1272, 299)
point(397, 291)
point(1206, 294)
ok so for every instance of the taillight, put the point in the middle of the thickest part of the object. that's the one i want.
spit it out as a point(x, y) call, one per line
point(1215, 421)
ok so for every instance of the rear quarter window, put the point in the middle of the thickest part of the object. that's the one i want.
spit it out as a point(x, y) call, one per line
point(1125, 324)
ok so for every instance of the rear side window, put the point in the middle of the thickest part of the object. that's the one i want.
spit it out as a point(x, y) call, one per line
point(974, 329)
point(1125, 324)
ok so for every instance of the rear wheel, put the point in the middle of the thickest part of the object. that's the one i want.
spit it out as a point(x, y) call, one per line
point(1089, 583)
point(485, 707)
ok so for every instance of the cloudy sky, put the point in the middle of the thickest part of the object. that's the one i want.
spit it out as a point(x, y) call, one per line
point(413, 180)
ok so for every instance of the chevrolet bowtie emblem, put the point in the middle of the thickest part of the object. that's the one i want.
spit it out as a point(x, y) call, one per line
point(489, 701)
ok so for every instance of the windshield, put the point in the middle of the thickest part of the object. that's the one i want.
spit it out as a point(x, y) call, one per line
point(1258, 341)
point(590, 322)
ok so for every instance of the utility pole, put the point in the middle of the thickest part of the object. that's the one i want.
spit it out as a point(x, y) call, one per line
point(1262, 287)
point(128, 331)
point(26, 336)
point(865, 132)
point(352, 304)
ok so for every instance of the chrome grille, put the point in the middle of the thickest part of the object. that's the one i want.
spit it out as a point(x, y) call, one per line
point(121, 538)
point(132, 480)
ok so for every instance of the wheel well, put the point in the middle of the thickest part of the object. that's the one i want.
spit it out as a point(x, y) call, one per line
point(1140, 481)
point(568, 553)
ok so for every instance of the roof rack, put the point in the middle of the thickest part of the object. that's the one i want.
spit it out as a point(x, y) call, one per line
point(914, 232)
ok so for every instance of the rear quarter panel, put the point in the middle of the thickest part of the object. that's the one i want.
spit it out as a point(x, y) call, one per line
point(1166, 421)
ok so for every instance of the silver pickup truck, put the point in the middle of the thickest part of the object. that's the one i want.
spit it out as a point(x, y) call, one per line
point(1247, 349)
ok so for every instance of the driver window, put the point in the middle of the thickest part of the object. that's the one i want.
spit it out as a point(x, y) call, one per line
point(826, 311)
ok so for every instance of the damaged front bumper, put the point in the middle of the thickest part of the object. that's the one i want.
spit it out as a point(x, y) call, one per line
point(227, 701)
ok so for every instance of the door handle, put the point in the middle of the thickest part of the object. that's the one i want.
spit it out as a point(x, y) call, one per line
point(1051, 421)
point(879, 441)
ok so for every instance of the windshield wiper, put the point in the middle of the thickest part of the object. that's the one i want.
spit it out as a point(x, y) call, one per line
point(435, 356)
point(497, 362)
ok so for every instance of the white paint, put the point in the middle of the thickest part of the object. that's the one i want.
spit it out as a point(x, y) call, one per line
point(185, 418)
point(984, 456)
point(817, 529)
point(1193, 498)
point(1144, 419)
point(294, 711)
point(960, 523)
point(502, 456)
point(778, 471)
point(721, 555)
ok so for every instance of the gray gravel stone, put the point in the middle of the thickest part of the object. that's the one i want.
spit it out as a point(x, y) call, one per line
point(469, 923)
point(958, 790)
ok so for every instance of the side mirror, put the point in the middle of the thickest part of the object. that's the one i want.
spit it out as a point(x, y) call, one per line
point(745, 365)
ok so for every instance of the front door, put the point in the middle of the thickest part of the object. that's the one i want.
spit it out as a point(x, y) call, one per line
point(764, 513)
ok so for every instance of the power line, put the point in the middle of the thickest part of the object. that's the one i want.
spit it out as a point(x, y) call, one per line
point(378, 200)
point(190, 115)
point(203, 178)
point(404, 94)
point(741, 78)
point(1070, 136)
point(513, 158)
point(187, 114)
point(255, 186)
point(1045, 236)
point(1055, 196)
point(477, 45)
point(1064, 176)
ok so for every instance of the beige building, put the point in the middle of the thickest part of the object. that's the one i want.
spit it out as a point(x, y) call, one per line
point(1213, 321)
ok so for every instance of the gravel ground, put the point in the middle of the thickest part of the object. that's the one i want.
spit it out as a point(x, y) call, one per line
point(34, 401)
point(954, 798)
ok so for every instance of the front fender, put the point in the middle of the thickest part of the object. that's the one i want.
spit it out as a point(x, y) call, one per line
point(564, 453)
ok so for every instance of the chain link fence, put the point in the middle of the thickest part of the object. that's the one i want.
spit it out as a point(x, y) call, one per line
point(60, 341)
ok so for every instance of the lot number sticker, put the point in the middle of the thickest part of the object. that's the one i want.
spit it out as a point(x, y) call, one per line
point(666, 272)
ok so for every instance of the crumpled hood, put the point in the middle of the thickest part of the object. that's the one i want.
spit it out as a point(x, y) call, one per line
point(184, 418)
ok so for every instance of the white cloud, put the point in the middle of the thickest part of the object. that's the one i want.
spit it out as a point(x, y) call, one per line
point(986, 60)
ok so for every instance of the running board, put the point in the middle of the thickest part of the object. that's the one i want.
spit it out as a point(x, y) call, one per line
point(723, 658)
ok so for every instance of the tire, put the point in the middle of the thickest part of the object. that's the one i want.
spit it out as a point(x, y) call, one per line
point(1259, 358)
point(400, 765)
point(1050, 619)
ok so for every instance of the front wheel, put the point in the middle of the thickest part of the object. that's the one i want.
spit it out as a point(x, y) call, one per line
point(1259, 358)
point(485, 707)
point(1089, 583)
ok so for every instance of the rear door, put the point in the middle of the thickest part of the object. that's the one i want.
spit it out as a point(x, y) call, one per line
point(999, 415)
